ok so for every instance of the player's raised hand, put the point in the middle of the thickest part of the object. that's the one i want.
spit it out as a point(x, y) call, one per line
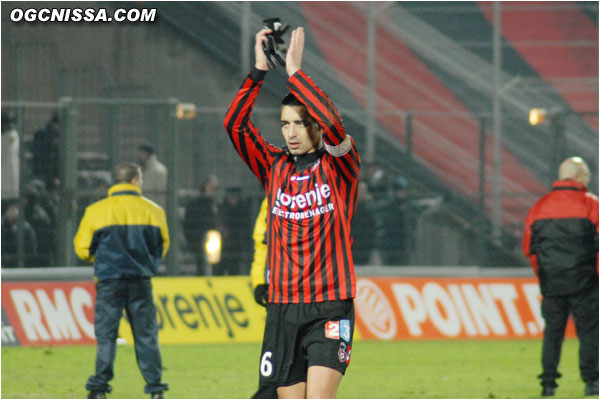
point(260, 60)
point(293, 59)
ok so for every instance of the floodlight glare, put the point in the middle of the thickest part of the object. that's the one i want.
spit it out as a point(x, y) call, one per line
point(186, 111)
point(212, 247)
point(537, 116)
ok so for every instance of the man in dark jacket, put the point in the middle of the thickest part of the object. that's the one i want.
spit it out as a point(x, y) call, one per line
point(561, 241)
point(125, 235)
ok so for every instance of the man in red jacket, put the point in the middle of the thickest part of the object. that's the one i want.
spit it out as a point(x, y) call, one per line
point(561, 241)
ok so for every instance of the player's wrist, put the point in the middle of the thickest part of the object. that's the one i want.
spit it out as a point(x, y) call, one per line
point(291, 71)
point(258, 74)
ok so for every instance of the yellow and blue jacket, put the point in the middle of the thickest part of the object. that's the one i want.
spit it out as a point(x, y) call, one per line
point(125, 235)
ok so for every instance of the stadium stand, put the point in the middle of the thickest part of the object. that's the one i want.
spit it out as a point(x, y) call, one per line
point(434, 59)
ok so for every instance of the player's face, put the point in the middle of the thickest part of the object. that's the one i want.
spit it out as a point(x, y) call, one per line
point(299, 130)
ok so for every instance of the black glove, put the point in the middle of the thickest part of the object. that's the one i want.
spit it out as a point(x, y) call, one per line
point(274, 47)
point(261, 293)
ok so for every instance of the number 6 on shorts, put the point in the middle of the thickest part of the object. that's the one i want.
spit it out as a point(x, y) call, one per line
point(266, 367)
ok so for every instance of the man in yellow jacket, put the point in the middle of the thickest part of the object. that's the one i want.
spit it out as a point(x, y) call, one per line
point(125, 235)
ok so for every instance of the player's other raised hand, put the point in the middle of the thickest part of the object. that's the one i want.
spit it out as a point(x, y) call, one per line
point(293, 59)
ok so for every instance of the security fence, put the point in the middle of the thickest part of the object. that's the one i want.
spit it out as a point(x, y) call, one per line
point(69, 148)
point(63, 160)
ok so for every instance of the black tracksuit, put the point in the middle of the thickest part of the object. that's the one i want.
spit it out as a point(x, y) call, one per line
point(561, 241)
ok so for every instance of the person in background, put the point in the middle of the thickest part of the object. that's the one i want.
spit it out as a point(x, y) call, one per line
point(364, 228)
point(125, 235)
point(41, 222)
point(10, 158)
point(46, 142)
point(236, 225)
point(561, 242)
point(155, 175)
point(9, 239)
point(202, 215)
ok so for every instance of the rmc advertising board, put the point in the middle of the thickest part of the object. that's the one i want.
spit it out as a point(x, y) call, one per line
point(222, 309)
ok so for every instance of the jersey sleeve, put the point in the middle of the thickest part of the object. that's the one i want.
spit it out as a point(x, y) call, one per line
point(250, 145)
point(337, 143)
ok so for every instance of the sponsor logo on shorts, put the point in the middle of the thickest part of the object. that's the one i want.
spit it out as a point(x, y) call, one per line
point(345, 329)
point(332, 329)
point(344, 353)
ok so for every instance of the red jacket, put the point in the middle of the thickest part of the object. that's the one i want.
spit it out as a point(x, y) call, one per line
point(561, 238)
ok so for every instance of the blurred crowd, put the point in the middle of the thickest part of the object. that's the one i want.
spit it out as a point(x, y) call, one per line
point(383, 225)
point(385, 219)
point(39, 205)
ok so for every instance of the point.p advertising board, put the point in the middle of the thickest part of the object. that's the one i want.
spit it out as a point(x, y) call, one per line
point(443, 308)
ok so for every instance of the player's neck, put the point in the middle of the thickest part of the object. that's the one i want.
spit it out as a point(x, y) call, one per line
point(303, 161)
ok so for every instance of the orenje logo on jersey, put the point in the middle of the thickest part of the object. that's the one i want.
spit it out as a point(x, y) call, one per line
point(305, 204)
point(315, 197)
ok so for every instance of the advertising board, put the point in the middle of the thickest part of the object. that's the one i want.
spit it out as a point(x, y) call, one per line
point(444, 308)
point(222, 310)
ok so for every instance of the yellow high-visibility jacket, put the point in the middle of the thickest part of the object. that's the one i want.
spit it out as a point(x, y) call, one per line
point(125, 234)
point(259, 263)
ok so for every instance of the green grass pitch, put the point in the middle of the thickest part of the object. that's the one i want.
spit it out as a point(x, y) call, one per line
point(403, 369)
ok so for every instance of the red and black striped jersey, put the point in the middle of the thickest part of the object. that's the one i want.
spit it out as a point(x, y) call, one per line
point(310, 210)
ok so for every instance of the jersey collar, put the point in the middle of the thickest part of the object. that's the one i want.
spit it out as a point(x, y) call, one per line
point(303, 161)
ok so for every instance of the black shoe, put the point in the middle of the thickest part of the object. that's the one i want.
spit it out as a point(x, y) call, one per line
point(591, 388)
point(157, 395)
point(548, 391)
point(96, 395)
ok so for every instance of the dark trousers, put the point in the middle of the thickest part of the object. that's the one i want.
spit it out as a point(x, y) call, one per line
point(135, 297)
point(555, 310)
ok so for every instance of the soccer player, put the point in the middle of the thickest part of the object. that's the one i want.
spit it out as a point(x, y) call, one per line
point(312, 187)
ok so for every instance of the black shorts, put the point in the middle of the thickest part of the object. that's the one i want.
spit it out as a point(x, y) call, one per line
point(298, 336)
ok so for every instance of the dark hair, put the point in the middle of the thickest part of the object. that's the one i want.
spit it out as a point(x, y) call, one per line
point(291, 100)
point(8, 120)
point(147, 147)
point(125, 172)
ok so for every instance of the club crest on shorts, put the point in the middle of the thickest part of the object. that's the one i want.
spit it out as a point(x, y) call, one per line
point(332, 329)
point(344, 353)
